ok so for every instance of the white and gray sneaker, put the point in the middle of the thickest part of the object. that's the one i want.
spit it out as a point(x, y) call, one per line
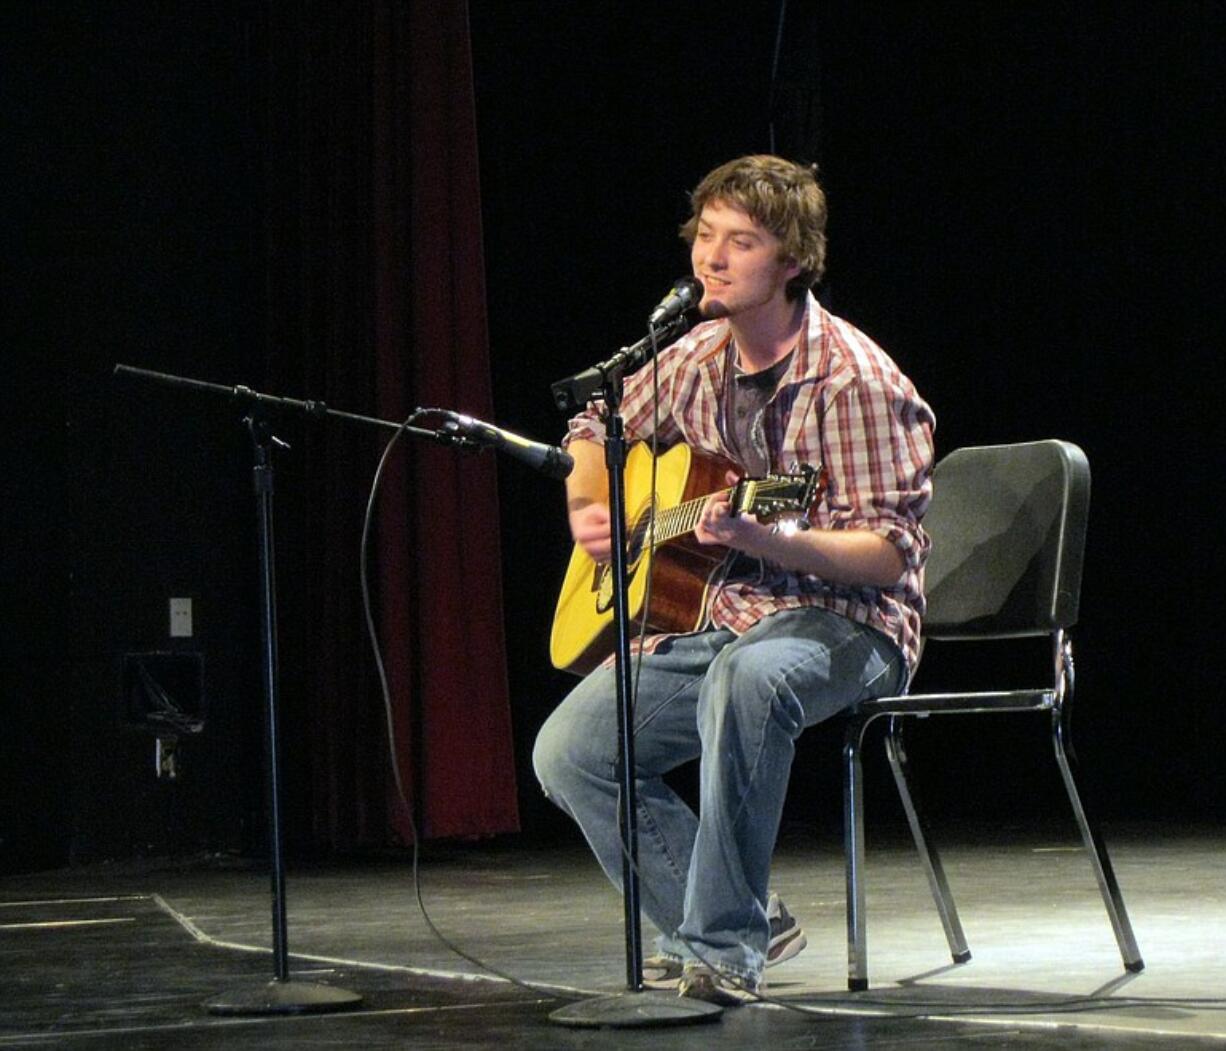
point(787, 938)
point(661, 971)
point(699, 982)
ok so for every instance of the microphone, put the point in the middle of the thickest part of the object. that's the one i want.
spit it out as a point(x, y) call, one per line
point(686, 291)
point(548, 459)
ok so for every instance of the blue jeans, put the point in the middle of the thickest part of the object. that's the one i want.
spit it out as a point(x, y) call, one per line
point(739, 704)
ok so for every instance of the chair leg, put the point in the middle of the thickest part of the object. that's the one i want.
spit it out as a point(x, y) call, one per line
point(929, 858)
point(1095, 847)
point(853, 854)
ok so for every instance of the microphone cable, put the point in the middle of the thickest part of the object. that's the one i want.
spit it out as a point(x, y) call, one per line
point(385, 691)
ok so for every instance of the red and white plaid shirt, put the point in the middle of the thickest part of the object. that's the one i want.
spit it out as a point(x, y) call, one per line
point(842, 403)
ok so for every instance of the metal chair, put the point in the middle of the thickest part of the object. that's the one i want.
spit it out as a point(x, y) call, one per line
point(1008, 524)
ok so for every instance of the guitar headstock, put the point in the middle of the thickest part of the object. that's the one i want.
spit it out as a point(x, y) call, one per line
point(779, 495)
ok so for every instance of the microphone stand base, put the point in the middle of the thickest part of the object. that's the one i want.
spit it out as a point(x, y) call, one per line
point(648, 1010)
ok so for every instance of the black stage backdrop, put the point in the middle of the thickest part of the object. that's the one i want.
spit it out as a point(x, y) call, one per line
point(283, 196)
point(1024, 211)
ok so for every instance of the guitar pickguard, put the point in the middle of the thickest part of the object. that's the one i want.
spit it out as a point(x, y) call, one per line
point(602, 579)
point(602, 585)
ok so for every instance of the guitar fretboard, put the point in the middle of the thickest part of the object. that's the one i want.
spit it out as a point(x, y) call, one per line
point(676, 521)
point(671, 523)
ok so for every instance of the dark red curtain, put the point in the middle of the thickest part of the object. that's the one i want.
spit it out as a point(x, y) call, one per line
point(377, 305)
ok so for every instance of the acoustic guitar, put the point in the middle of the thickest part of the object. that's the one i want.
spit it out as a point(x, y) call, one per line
point(583, 629)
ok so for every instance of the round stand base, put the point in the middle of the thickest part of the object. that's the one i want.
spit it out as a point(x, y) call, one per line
point(636, 1011)
point(283, 997)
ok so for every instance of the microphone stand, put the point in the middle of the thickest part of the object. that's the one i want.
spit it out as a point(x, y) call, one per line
point(603, 383)
point(282, 995)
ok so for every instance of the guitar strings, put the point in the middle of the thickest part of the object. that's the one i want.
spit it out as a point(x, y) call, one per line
point(672, 522)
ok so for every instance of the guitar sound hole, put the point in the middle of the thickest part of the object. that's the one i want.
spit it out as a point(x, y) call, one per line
point(636, 541)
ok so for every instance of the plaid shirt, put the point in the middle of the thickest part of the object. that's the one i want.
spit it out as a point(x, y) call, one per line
point(842, 403)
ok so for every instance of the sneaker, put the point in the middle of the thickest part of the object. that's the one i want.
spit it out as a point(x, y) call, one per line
point(661, 971)
point(787, 936)
point(699, 982)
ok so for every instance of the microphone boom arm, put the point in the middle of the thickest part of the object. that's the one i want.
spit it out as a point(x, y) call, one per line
point(574, 392)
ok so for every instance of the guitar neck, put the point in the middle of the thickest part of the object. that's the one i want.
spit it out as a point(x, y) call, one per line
point(675, 521)
point(759, 496)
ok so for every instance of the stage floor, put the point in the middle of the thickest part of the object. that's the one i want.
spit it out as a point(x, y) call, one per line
point(111, 956)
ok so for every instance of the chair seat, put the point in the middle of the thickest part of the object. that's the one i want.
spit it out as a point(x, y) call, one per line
point(941, 703)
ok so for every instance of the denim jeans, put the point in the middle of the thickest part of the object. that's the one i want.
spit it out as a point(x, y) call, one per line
point(739, 704)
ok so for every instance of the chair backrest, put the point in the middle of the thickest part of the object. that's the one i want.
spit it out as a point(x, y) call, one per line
point(1008, 528)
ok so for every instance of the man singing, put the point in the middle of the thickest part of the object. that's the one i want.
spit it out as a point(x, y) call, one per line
point(799, 624)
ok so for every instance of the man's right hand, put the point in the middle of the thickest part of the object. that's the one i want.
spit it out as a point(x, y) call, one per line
point(592, 529)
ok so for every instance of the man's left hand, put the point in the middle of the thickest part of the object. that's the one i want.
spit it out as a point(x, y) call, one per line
point(717, 525)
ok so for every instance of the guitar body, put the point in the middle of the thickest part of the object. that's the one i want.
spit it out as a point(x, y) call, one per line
point(583, 630)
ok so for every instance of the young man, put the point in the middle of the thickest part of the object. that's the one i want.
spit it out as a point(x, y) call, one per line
point(799, 624)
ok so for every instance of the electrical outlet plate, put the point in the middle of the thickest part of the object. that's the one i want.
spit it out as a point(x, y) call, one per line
point(180, 618)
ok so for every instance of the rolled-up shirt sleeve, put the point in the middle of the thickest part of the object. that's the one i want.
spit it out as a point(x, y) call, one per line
point(586, 426)
point(877, 448)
